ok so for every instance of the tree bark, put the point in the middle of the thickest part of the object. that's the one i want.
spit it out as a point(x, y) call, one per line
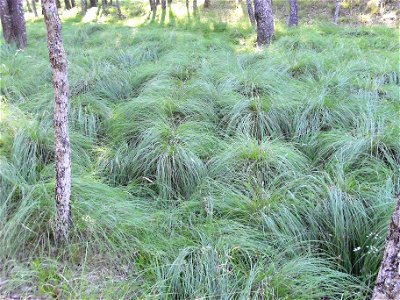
point(18, 22)
point(83, 7)
point(104, 5)
point(250, 11)
point(93, 3)
point(72, 3)
point(163, 4)
point(294, 13)
point(337, 11)
point(6, 21)
point(58, 3)
point(67, 4)
point(265, 21)
point(153, 5)
point(194, 6)
point(388, 280)
point(34, 8)
point(59, 66)
point(206, 3)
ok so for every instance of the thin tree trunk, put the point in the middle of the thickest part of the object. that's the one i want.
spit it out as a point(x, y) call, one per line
point(294, 13)
point(337, 11)
point(58, 3)
point(265, 21)
point(34, 8)
point(119, 13)
point(206, 3)
point(59, 66)
point(194, 6)
point(6, 22)
point(163, 4)
point(104, 5)
point(153, 5)
point(72, 3)
point(67, 4)
point(93, 3)
point(28, 6)
point(388, 279)
point(250, 11)
point(83, 7)
point(187, 5)
point(18, 22)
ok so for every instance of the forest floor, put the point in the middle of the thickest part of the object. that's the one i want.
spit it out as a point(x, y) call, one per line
point(203, 168)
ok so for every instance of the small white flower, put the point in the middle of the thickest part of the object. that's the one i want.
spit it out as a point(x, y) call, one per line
point(357, 249)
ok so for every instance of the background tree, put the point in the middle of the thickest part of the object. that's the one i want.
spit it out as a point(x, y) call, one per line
point(93, 3)
point(58, 3)
point(337, 11)
point(104, 5)
point(34, 8)
point(13, 22)
point(194, 6)
point(206, 3)
point(83, 6)
point(28, 6)
point(67, 4)
point(58, 60)
point(164, 4)
point(294, 13)
point(265, 21)
point(72, 3)
point(119, 13)
point(388, 279)
point(250, 11)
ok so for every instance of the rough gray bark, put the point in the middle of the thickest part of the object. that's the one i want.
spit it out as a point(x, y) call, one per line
point(337, 11)
point(294, 13)
point(34, 8)
point(388, 280)
point(206, 3)
point(59, 66)
point(83, 6)
point(265, 21)
point(6, 22)
point(250, 11)
point(67, 4)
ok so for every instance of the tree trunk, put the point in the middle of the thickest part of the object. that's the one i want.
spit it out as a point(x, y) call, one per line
point(337, 10)
point(67, 4)
point(119, 13)
point(93, 3)
point(58, 3)
point(153, 5)
point(169, 1)
point(194, 6)
point(18, 22)
point(28, 6)
point(104, 5)
point(83, 7)
point(388, 280)
point(265, 21)
point(294, 13)
point(206, 3)
point(163, 4)
point(250, 11)
point(6, 22)
point(59, 66)
point(34, 8)
point(72, 3)
point(187, 5)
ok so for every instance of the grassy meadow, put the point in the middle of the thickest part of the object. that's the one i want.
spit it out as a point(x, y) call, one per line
point(203, 167)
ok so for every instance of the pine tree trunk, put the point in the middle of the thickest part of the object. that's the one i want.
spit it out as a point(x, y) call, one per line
point(6, 22)
point(206, 3)
point(163, 4)
point(67, 4)
point(34, 8)
point(388, 279)
point(294, 13)
point(250, 11)
point(265, 21)
point(83, 7)
point(337, 11)
point(59, 65)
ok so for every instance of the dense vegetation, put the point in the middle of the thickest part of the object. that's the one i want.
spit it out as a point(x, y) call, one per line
point(202, 166)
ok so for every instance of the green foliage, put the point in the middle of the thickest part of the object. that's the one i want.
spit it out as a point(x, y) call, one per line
point(202, 167)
